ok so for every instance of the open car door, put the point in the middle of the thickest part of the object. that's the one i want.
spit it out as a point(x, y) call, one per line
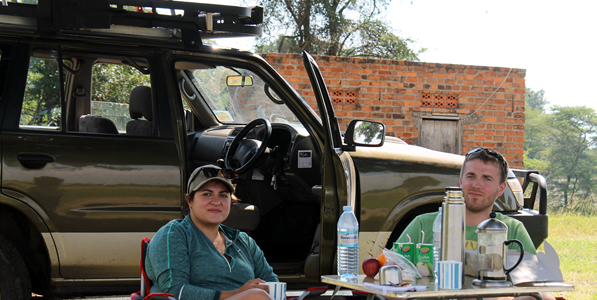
point(339, 180)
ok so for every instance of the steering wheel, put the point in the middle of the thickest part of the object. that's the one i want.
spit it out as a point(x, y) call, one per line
point(243, 153)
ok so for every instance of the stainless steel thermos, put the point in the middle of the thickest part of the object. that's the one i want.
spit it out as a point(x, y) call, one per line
point(453, 225)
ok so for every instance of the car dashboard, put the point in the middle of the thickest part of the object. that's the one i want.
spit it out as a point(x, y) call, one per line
point(292, 158)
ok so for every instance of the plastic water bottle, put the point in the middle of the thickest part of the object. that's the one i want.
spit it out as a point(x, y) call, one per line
point(348, 245)
point(437, 241)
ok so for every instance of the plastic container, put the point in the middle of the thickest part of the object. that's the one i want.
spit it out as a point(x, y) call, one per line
point(348, 245)
point(437, 241)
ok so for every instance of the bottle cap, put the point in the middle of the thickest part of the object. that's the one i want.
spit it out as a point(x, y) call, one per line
point(347, 207)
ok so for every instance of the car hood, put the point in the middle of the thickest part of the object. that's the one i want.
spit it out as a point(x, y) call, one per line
point(399, 151)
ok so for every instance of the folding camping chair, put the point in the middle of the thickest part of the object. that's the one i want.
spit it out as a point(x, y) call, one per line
point(144, 293)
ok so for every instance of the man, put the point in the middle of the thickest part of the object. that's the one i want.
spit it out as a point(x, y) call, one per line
point(483, 179)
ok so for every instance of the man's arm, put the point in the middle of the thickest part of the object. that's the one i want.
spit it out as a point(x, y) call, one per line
point(517, 231)
point(521, 234)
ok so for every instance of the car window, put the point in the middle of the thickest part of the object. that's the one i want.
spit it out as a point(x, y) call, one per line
point(238, 96)
point(42, 108)
point(112, 87)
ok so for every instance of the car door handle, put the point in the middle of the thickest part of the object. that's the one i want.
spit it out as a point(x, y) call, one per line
point(34, 160)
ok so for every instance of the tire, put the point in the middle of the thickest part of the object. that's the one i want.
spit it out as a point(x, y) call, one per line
point(14, 277)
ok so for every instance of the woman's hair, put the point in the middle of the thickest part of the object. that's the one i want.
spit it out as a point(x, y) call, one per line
point(192, 195)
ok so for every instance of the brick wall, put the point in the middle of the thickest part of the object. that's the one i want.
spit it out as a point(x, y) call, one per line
point(487, 102)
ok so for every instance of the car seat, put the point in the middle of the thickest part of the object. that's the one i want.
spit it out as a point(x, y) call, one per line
point(140, 105)
point(96, 124)
point(243, 216)
point(312, 261)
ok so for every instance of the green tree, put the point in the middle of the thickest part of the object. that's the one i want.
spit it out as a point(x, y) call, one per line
point(536, 140)
point(114, 83)
point(561, 145)
point(571, 153)
point(332, 27)
point(375, 39)
point(535, 99)
point(41, 104)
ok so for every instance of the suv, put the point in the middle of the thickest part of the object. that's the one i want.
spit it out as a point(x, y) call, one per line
point(106, 109)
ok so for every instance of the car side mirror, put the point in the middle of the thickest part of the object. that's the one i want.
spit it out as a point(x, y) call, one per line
point(364, 133)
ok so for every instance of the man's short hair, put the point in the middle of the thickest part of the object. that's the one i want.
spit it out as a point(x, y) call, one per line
point(487, 156)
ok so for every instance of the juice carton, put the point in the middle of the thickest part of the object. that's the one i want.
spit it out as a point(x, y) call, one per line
point(424, 259)
point(405, 249)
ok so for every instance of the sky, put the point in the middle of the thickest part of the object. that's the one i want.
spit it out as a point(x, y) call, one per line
point(553, 40)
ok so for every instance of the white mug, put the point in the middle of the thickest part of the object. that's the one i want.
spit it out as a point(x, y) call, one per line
point(277, 290)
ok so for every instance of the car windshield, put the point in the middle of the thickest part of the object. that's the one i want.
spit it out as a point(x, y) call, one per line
point(239, 96)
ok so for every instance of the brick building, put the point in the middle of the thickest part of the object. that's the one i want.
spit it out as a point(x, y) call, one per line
point(453, 108)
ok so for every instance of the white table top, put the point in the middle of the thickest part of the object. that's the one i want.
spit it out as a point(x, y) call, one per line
point(467, 291)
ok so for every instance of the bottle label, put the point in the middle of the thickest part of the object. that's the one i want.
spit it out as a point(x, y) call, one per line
point(348, 238)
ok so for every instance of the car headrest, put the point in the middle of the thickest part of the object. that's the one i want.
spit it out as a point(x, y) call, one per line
point(140, 103)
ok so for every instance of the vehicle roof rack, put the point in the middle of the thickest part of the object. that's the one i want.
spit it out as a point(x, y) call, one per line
point(187, 21)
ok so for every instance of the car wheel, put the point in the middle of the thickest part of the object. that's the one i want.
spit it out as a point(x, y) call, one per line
point(14, 277)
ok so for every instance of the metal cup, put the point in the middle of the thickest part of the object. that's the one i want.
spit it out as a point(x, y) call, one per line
point(390, 275)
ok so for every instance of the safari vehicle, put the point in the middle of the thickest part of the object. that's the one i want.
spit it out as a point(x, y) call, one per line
point(106, 109)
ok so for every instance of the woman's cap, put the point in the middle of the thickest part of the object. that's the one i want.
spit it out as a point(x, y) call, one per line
point(207, 173)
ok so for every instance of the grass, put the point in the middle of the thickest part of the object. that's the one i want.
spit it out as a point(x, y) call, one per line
point(575, 240)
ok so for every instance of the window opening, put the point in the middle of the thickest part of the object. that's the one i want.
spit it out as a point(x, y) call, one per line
point(111, 90)
point(42, 109)
point(235, 104)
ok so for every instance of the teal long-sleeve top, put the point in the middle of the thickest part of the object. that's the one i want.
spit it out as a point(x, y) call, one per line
point(182, 261)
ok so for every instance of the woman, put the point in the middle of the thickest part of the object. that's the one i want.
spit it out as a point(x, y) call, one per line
point(198, 257)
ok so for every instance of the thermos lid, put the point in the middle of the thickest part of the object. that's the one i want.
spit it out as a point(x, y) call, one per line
point(454, 194)
point(491, 225)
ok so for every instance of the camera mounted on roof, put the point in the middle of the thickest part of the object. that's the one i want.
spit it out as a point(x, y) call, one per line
point(185, 21)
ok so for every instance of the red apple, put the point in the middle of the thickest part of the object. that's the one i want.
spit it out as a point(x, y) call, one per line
point(371, 266)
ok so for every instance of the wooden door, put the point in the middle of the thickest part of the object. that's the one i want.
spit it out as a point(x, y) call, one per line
point(441, 134)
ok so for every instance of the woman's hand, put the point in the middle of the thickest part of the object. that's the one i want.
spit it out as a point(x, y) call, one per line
point(252, 284)
point(242, 291)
